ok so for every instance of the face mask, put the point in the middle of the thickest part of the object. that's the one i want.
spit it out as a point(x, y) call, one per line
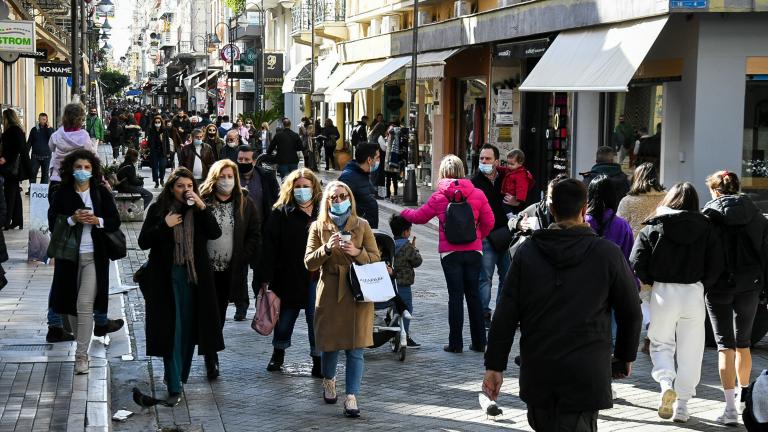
point(232, 144)
point(211, 133)
point(157, 125)
point(82, 176)
point(486, 168)
point(339, 208)
point(302, 195)
point(197, 142)
point(375, 166)
point(225, 185)
point(93, 114)
point(244, 168)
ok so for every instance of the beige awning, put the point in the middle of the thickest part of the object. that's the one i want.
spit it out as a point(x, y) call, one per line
point(431, 65)
point(373, 73)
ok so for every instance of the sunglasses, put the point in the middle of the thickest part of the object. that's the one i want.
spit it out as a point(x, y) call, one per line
point(339, 197)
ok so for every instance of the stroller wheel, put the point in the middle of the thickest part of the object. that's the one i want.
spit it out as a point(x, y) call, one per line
point(395, 343)
point(401, 354)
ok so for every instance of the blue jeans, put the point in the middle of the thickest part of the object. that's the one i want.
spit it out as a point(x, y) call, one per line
point(461, 270)
point(54, 319)
point(492, 260)
point(286, 169)
point(157, 161)
point(407, 296)
point(287, 320)
point(354, 368)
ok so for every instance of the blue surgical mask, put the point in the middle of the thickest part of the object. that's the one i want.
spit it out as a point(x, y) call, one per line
point(197, 142)
point(485, 168)
point(81, 175)
point(302, 195)
point(339, 208)
point(375, 166)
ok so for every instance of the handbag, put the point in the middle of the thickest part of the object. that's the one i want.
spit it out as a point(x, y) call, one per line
point(500, 239)
point(65, 240)
point(141, 277)
point(115, 245)
point(370, 282)
point(267, 311)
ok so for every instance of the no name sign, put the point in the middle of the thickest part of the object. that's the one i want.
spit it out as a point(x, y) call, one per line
point(54, 69)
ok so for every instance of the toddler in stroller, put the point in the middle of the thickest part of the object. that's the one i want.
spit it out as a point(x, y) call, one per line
point(388, 323)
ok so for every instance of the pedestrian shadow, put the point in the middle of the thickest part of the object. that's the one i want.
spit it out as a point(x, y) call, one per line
point(694, 423)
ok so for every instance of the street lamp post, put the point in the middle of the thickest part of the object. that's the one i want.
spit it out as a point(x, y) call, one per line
point(410, 194)
point(73, 49)
point(312, 58)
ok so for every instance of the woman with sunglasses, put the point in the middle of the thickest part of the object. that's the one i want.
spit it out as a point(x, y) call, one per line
point(336, 240)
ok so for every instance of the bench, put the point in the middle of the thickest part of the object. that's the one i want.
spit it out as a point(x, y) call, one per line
point(130, 206)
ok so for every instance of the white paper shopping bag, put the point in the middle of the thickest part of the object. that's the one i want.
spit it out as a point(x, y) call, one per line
point(375, 283)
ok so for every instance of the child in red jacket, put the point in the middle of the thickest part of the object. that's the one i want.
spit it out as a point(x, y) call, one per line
point(517, 182)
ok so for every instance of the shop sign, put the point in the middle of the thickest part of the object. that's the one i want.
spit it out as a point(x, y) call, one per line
point(17, 36)
point(247, 85)
point(240, 75)
point(273, 69)
point(504, 104)
point(54, 69)
point(534, 48)
point(688, 4)
point(40, 54)
point(244, 96)
point(229, 53)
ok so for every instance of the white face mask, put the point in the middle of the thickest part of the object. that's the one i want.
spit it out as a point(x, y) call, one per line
point(232, 144)
point(225, 185)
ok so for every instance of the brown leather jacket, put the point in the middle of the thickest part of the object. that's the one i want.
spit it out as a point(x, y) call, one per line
point(187, 157)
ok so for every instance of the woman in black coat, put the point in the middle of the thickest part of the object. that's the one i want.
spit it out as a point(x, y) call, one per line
point(231, 253)
point(331, 134)
point(159, 141)
point(11, 167)
point(283, 269)
point(181, 308)
point(81, 287)
point(129, 181)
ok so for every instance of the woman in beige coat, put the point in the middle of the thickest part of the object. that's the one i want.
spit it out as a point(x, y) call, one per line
point(340, 323)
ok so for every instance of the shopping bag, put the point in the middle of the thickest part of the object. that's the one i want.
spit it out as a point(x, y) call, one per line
point(371, 282)
point(267, 311)
point(65, 240)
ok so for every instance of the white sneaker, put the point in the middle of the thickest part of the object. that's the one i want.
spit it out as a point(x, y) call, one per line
point(729, 418)
point(613, 393)
point(81, 365)
point(666, 399)
point(681, 412)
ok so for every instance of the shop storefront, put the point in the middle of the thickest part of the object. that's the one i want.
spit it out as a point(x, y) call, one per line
point(754, 170)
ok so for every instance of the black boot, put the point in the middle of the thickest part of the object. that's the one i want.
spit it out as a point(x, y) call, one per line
point(276, 362)
point(212, 366)
point(58, 334)
point(317, 370)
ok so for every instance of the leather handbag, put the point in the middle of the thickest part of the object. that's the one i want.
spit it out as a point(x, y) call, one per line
point(115, 245)
point(500, 239)
point(267, 311)
point(65, 240)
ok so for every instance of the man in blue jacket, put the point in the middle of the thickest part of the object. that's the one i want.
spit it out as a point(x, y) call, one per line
point(357, 175)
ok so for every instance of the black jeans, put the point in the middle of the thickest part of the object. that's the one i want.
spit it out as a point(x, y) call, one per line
point(221, 280)
point(15, 215)
point(40, 164)
point(391, 177)
point(551, 419)
point(461, 271)
point(157, 161)
point(722, 307)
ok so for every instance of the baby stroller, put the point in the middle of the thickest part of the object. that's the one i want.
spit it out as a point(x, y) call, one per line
point(388, 316)
point(267, 162)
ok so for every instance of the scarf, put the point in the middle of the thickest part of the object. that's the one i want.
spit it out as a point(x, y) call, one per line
point(184, 250)
point(340, 220)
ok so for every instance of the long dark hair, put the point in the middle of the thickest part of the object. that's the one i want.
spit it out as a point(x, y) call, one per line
point(645, 179)
point(166, 200)
point(681, 196)
point(601, 196)
point(67, 167)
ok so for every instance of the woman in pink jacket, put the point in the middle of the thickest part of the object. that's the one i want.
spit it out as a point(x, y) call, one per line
point(461, 261)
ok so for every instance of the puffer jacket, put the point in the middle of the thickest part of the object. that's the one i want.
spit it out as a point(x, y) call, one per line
point(438, 204)
point(743, 232)
point(63, 143)
point(359, 182)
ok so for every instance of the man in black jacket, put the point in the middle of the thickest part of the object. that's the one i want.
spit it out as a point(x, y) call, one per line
point(357, 175)
point(604, 164)
point(41, 153)
point(561, 288)
point(360, 132)
point(287, 143)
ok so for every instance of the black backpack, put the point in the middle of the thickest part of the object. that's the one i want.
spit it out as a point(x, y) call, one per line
point(459, 225)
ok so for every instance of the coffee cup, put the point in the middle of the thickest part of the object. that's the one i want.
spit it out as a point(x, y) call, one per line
point(346, 236)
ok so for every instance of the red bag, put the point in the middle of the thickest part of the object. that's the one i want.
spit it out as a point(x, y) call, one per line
point(267, 311)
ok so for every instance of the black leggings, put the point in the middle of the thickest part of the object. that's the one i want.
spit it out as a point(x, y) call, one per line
point(391, 177)
point(722, 307)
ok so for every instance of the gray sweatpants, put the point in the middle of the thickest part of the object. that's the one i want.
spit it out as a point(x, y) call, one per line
point(86, 296)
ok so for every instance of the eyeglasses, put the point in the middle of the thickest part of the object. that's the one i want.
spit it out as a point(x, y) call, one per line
point(339, 197)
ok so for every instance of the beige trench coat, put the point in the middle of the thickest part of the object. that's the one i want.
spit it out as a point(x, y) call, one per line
point(341, 323)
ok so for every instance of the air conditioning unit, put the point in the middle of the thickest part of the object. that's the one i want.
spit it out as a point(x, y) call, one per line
point(425, 17)
point(391, 23)
point(461, 8)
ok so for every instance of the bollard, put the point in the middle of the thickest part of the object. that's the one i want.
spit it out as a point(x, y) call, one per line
point(410, 195)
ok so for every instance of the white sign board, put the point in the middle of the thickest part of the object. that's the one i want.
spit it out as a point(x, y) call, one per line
point(39, 235)
point(17, 36)
point(504, 111)
point(247, 86)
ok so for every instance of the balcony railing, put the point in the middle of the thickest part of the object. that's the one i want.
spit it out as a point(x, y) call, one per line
point(184, 47)
point(330, 11)
point(300, 18)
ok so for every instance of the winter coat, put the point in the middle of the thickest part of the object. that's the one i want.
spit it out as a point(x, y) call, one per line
point(743, 233)
point(614, 173)
point(63, 143)
point(635, 209)
point(95, 127)
point(287, 143)
point(540, 211)
point(13, 144)
point(38, 136)
point(160, 326)
point(282, 265)
point(677, 246)
point(216, 143)
point(561, 288)
point(437, 205)
point(494, 194)
point(187, 157)
point(518, 182)
point(64, 287)
point(269, 192)
point(245, 246)
point(615, 229)
point(359, 182)
point(159, 142)
point(224, 128)
point(341, 323)
point(129, 182)
point(3, 221)
point(407, 258)
point(228, 152)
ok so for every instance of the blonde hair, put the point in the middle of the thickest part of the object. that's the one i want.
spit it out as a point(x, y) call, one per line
point(325, 207)
point(451, 167)
point(286, 190)
point(208, 187)
point(74, 115)
point(265, 125)
point(10, 119)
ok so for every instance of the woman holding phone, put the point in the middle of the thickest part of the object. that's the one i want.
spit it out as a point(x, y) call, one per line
point(181, 304)
point(82, 286)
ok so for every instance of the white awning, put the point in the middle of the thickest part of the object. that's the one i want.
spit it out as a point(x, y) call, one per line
point(212, 74)
point(431, 64)
point(195, 75)
point(290, 78)
point(372, 73)
point(323, 71)
point(334, 93)
point(600, 59)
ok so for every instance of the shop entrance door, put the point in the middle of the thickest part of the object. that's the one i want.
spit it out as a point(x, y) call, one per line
point(470, 132)
point(534, 121)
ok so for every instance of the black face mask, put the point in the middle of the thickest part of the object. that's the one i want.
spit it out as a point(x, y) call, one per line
point(244, 168)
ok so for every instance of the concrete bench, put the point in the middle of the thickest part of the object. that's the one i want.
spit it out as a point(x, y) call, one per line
point(130, 206)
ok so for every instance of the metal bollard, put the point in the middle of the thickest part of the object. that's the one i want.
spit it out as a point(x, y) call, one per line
point(410, 195)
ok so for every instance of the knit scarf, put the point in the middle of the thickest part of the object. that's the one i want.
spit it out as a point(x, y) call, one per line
point(340, 220)
point(184, 240)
